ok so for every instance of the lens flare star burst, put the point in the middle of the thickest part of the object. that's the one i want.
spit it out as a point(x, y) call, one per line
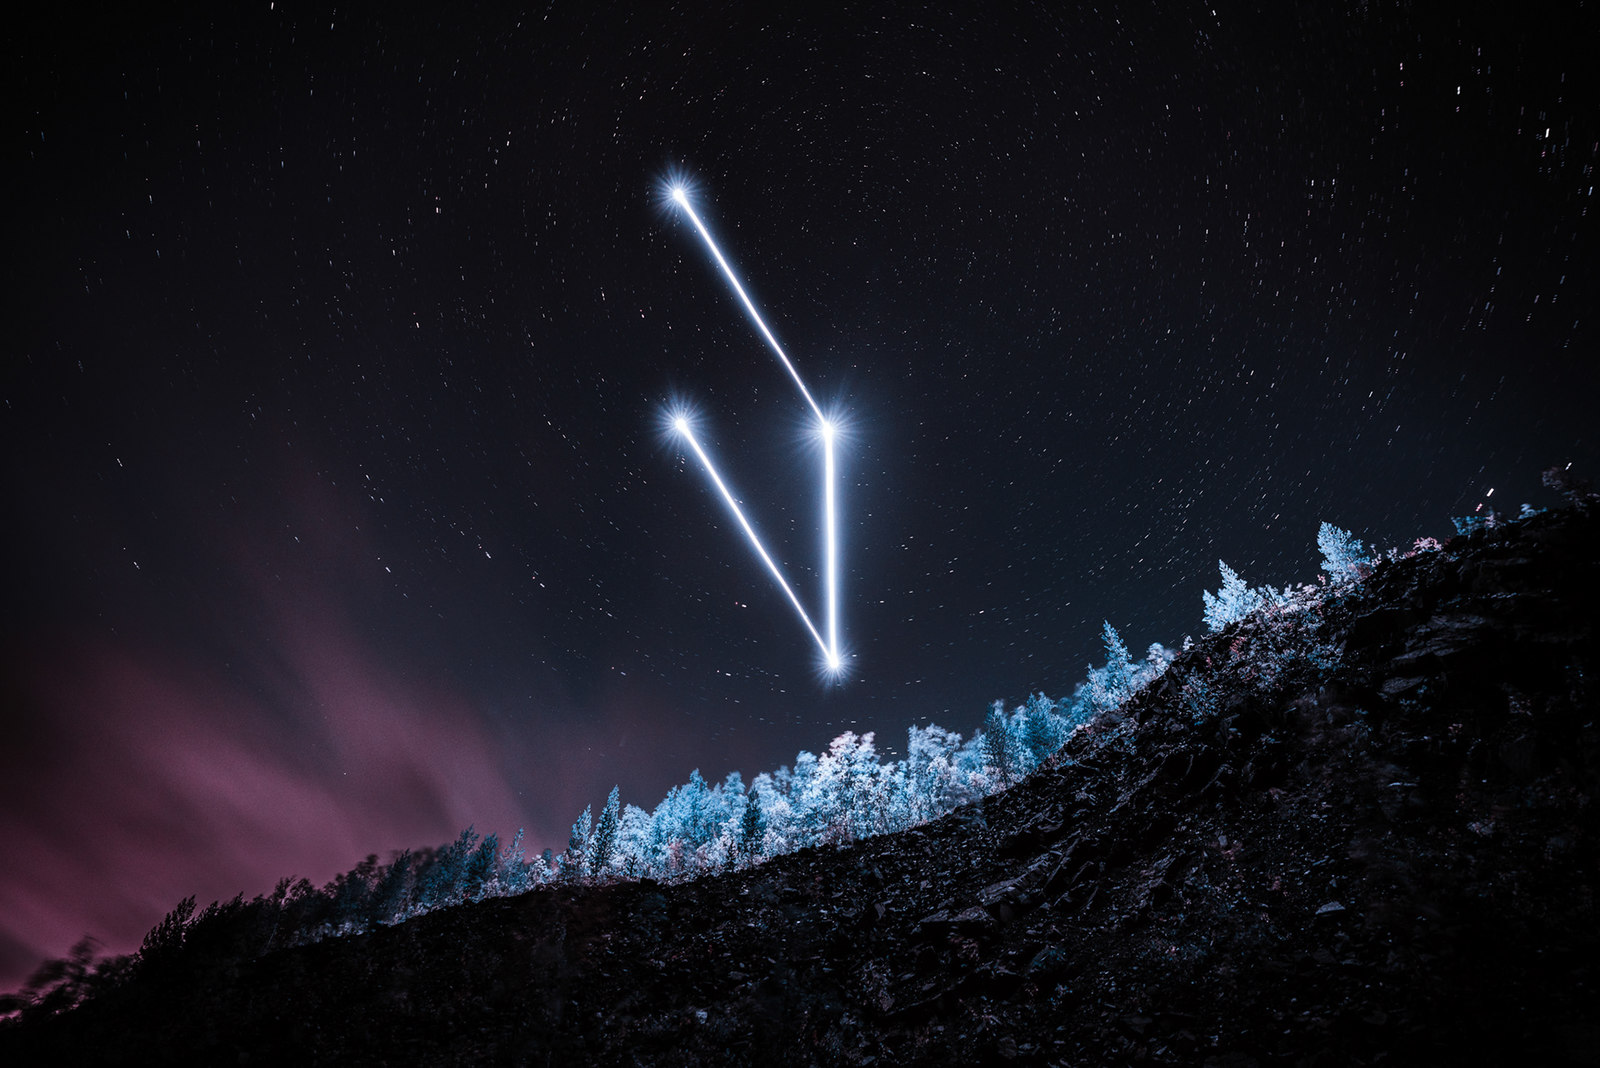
point(828, 431)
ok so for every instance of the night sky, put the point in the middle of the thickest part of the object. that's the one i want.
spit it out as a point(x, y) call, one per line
point(339, 508)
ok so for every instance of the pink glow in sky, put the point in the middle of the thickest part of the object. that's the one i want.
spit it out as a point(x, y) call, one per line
point(159, 782)
point(146, 776)
point(262, 723)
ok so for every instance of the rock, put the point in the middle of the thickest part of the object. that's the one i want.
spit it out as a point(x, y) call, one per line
point(1049, 963)
point(1398, 686)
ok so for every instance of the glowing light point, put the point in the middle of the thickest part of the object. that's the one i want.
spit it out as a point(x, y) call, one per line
point(681, 425)
point(680, 195)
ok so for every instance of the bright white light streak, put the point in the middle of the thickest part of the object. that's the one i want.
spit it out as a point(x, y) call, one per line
point(833, 545)
point(681, 197)
point(681, 425)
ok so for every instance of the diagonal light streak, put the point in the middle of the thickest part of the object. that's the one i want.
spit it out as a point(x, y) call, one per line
point(681, 425)
point(830, 647)
point(681, 198)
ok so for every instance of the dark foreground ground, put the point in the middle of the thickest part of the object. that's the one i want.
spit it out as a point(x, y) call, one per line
point(1387, 858)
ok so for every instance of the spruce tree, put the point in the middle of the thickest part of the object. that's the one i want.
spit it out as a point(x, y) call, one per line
point(1041, 734)
point(572, 861)
point(1232, 602)
point(1344, 557)
point(605, 836)
point(1119, 666)
point(390, 902)
point(752, 829)
point(480, 867)
point(997, 745)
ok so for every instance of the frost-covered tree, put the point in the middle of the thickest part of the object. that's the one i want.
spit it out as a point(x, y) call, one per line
point(776, 810)
point(391, 900)
point(480, 867)
point(695, 810)
point(809, 811)
point(572, 861)
point(752, 829)
point(605, 836)
point(1079, 708)
point(857, 777)
point(633, 842)
point(891, 798)
point(831, 789)
point(1119, 666)
point(1232, 602)
point(516, 874)
point(1157, 659)
point(1344, 558)
point(1108, 686)
point(998, 748)
point(930, 775)
point(439, 882)
point(1042, 730)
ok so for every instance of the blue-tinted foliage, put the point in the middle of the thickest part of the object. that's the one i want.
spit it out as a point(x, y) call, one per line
point(1344, 558)
point(1232, 602)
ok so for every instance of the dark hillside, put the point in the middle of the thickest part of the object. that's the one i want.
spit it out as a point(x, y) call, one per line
point(1364, 834)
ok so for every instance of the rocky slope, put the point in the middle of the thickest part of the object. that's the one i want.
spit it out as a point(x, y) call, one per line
point(1365, 835)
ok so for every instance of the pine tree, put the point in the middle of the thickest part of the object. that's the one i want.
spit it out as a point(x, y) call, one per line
point(165, 939)
point(752, 829)
point(1232, 602)
point(1119, 666)
point(605, 836)
point(351, 894)
point(480, 867)
point(809, 817)
point(389, 900)
point(997, 744)
point(930, 772)
point(514, 870)
point(1158, 658)
point(577, 844)
point(440, 881)
point(696, 800)
point(1041, 728)
point(855, 762)
point(1344, 558)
